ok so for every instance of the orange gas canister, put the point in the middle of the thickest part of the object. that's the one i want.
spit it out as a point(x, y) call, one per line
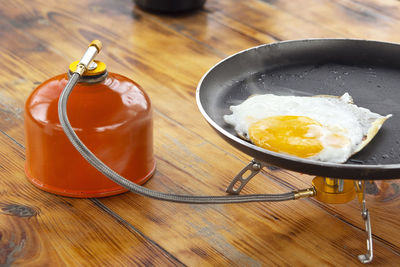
point(110, 113)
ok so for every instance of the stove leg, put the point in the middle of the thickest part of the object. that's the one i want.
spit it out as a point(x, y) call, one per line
point(240, 180)
point(366, 258)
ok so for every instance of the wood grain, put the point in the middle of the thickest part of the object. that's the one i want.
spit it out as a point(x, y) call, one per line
point(168, 55)
point(347, 18)
point(40, 228)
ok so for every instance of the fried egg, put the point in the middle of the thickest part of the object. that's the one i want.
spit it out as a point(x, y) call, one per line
point(323, 128)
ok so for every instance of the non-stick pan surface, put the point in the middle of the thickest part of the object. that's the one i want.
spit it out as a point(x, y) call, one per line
point(368, 70)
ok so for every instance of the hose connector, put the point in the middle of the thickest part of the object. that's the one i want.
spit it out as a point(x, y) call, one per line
point(93, 49)
point(303, 193)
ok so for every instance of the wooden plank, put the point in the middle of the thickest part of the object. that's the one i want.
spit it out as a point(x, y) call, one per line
point(213, 29)
point(243, 26)
point(38, 228)
point(348, 18)
point(270, 19)
point(387, 7)
point(172, 79)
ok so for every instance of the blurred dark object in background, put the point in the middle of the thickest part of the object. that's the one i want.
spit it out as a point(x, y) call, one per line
point(169, 6)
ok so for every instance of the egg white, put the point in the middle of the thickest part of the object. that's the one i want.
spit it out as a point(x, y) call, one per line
point(335, 114)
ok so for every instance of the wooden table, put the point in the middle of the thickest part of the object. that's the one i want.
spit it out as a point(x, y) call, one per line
point(168, 55)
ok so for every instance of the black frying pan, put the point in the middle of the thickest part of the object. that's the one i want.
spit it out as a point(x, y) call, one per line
point(368, 70)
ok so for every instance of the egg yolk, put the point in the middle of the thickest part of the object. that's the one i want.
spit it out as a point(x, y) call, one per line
point(294, 135)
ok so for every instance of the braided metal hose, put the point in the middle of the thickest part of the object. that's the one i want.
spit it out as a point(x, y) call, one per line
point(104, 169)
